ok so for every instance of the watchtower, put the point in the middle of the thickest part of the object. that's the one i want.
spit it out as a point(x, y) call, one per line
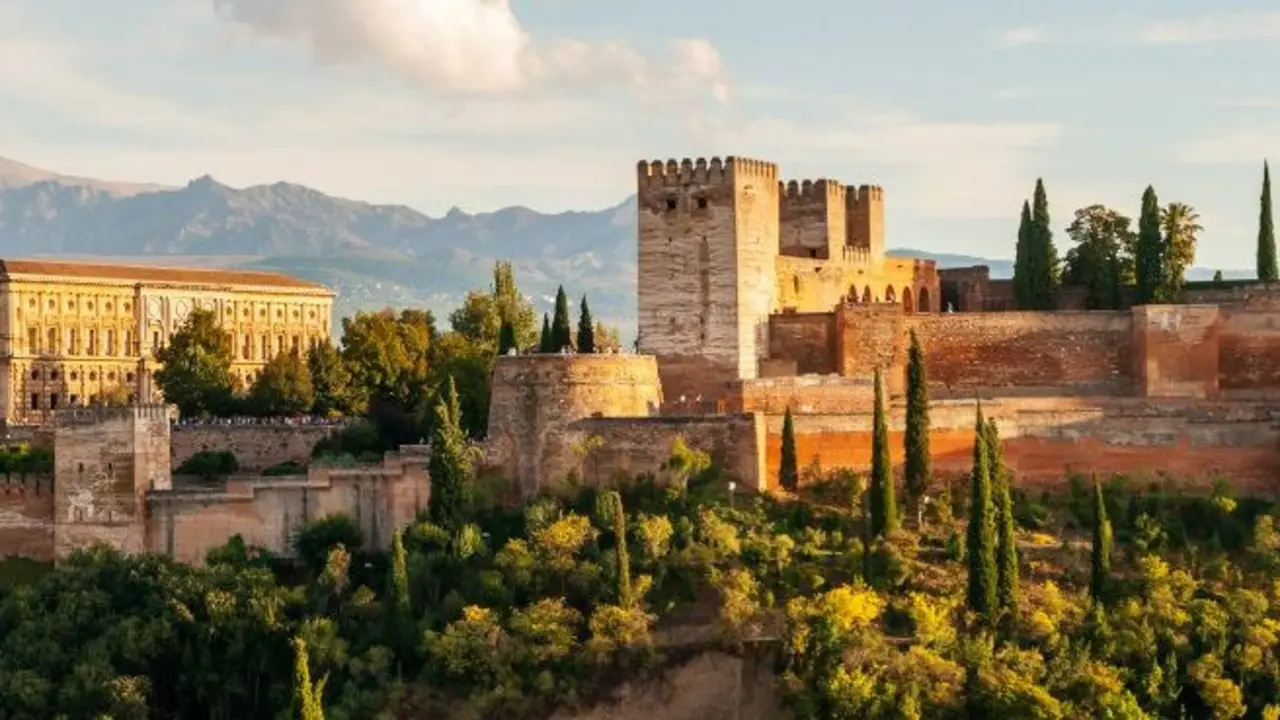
point(708, 248)
point(866, 219)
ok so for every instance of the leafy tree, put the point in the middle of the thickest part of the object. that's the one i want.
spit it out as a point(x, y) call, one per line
point(209, 465)
point(788, 468)
point(1101, 564)
point(482, 314)
point(546, 342)
point(1022, 295)
point(1217, 277)
point(981, 538)
point(606, 339)
point(283, 387)
point(314, 541)
point(1041, 255)
point(1266, 231)
point(307, 697)
point(330, 381)
point(1149, 253)
point(586, 330)
point(389, 355)
point(470, 367)
point(918, 471)
point(449, 465)
point(507, 338)
point(561, 330)
point(1101, 261)
point(884, 507)
point(1006, 536)
point(196, 373)
point(1180, 224)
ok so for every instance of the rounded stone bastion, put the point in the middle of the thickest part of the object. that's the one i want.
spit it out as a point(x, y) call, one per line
point(535, 398)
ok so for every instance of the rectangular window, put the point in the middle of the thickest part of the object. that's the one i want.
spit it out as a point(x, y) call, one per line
point(297, 344)
point(33, 341)
point(35, 401)
point(73, 342)
point(93, 342)
point(129, 348)
point(279, 344)
point(111, 343)
point(53, 401)
point(266, 347)
point(52, 337)
point(155, 340)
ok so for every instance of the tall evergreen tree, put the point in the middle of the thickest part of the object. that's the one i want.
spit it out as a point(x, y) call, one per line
point(918, 470)
point(788, 470)
point(307, 698)
point(615, 515)
point(1101, 565)
point(545, 342)
point(981, 538)
point(1148, 258)
point(1006, 538)
point(1021, 271)
point(586, 330)
point(449, 465)
point(1042, 256)
point(1266, 232)
point(561, 330)
point(884, 506)
point(506, 337)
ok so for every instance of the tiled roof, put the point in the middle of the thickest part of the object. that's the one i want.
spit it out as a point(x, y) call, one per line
point(152, 274)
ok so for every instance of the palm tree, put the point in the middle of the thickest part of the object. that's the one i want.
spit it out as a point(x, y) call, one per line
point(1180, 226)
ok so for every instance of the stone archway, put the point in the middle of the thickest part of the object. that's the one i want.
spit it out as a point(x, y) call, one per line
point(907, 303)
point(889, 295)
point(922, 304)
point(853, 294)
point(866, 294)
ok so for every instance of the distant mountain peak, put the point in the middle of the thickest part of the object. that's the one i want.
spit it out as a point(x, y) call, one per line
point(15, 175)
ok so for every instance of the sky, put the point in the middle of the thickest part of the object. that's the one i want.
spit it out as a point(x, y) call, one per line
point(954, 108)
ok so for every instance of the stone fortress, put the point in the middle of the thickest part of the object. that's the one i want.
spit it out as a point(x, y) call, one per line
point(755, 296)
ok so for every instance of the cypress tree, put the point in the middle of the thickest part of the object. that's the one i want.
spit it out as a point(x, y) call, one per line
point(1266, 232)
point(1021, 271)
point(884, 507)
point(918, 471)
point(617, 517)
point(561, 330)
point(545, 343)
point(506, 337)
point(586, 330)
point(1101, 565)
point(307, 698)
point(1006, 537)
point(981, 538)
point(449, 465)
point(1042, 256)
point(1149, 254)
point(788, 470)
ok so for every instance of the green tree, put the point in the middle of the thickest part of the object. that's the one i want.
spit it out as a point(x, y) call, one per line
point(1022, 295)
point(1041, 255)
point(561, 330)
point(1180, 224)
point(482, 314)
point(1006, 532)
point(507, 338)
point(884, 507)
point(388, 356)
point(469, 365)
point(586, 330)
point(1217, 277)
point(1149, 261)
point(1100, 570)
point(546, 342)
point(614, 514)
point(284, 387)
point(1102, 259)
point(1266, 231)
point(918, 469)
point(606, 339)
point(308, 698)
point(449, 465)
point(330, 381)
point(981, 538)
point(196, 367)
point(788, 467)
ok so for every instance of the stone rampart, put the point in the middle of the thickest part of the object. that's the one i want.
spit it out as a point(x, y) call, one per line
point(808, 339)
point(256, 446)
point(26, 518)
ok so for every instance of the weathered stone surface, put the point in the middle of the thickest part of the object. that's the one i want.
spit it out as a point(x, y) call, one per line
point(256, 447)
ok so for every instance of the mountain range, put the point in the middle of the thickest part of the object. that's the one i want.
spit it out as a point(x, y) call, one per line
point(373, 255)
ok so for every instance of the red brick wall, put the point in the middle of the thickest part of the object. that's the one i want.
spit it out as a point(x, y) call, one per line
point(871, 336)
point(26, 519)
point(1177, 350)
point(1065, 353)
point(809, 339)
point(807, 395)
point(1249, 352)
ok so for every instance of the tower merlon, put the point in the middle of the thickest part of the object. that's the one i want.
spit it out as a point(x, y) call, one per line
point(819, 188)
point(702, 170)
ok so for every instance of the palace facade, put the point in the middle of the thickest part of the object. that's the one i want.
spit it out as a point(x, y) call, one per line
point(81, 334)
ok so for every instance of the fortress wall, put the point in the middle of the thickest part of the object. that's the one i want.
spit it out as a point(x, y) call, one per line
point(269, 511)
point(806, 394)
point(1045, 439)
point(1064, 353)
point(26, 518)
point(811, 218)
point(1249, 352)
point(257, 447)
point(1177, 350)
point(642, 445)
point(807, 338)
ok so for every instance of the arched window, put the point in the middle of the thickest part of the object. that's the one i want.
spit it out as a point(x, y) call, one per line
point(889, 295)
point(907, 303)
point(923, 303)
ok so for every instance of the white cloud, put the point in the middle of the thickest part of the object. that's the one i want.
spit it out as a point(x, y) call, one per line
point(1243, 146)
point(471, 47)
point(1018, 37)
point(1255, 26)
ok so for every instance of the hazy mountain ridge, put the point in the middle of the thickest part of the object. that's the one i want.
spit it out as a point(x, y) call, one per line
point(373, 255)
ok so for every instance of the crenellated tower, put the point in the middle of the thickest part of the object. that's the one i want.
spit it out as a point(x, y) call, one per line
point(708, 246)
point(866, 219)
point(812, 219)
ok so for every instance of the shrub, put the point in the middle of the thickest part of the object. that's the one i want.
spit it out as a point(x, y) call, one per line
point(288, 467)
point(210, 465)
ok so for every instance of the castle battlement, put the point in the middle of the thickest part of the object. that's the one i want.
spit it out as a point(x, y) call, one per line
point(80, 417)
point(861, 194)
point(812, 189)
point(702, 170)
